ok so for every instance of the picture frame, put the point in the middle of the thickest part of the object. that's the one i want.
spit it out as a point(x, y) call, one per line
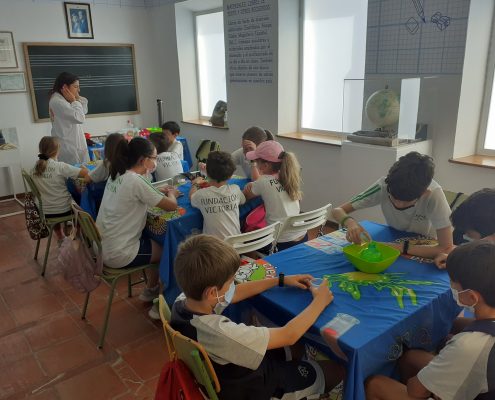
point(8, 57)
point(12, 82)
point(78, 19)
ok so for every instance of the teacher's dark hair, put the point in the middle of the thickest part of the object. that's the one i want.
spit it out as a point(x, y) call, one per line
point(65, 78)
point(127, 155)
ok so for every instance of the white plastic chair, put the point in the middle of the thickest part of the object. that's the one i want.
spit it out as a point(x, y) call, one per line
point(307, 220)
point(255, 240)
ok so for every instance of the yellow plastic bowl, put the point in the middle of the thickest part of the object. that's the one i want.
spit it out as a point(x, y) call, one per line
point(389, 256)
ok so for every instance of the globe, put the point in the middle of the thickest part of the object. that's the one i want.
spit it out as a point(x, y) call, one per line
point(382, 108)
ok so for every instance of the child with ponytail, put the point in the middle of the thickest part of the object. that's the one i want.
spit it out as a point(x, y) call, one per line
point(279, 186)
point(50, 177)
point(251, 138)
point(122, 215)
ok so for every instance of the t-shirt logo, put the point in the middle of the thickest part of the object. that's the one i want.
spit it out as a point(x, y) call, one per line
point(303, 371)
point(419, 217)
point(276, 183)
point(216, 205)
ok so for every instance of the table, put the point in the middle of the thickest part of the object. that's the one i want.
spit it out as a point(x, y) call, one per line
point(179, 229)
point(374, 344)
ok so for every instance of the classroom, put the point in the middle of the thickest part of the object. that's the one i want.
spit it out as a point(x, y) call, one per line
point(247, 199)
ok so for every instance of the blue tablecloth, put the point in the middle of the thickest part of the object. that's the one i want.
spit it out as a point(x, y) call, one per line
point(180, 228)
point(374, 344)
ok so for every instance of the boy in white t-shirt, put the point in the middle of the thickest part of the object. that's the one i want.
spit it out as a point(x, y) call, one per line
point(219, 202)
point(411, 201)
point(50, 177)
point(244, 357)
point(168, 162)
point(172, 128)
point(465, 368)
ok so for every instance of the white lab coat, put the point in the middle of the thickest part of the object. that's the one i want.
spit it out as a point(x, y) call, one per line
point(67, 119)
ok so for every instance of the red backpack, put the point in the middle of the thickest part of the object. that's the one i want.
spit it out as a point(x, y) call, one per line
point(176, 382)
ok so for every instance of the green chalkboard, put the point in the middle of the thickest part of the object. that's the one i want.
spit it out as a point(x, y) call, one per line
point(107, 75)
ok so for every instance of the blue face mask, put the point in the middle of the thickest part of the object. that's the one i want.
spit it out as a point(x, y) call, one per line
point(227, 299)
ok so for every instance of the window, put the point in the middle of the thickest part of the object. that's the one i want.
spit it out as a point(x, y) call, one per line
point(210, 51)
point(333, 49)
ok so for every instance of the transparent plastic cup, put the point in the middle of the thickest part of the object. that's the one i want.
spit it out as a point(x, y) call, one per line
point(339, 325)
point(316, 282)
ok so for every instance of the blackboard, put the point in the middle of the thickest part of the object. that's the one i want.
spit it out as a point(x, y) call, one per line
point(107, 75)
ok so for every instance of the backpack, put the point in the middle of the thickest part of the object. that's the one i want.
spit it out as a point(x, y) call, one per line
point(206, 146)
point(486, 326)
point(176, 382)
point(218, 117)
point(35, 226)
point(255, 219)
point(81, 268)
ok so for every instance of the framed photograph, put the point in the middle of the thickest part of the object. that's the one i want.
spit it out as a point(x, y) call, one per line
point(78, 18)
point(12, 82)
point(8, 58)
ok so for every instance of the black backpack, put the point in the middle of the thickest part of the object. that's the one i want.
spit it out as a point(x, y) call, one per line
point(206, 146)
point(486, 326)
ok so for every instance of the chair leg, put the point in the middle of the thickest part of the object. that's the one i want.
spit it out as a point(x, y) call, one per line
point(145, 277)
point(129, 286)
point(47, 251)
point(37, 248)
point(85, 306)
point(107, 314)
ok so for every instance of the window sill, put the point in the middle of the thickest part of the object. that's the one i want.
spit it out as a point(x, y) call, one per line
point(203, 122)
point(475, 161)
point(325, 138)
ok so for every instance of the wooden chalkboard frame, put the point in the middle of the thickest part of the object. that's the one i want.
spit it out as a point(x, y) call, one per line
point(26, 46)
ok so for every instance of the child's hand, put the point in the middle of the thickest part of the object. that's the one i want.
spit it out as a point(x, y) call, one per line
point(300, 281)
point(248, 145)
point(67, 94)
point(355, 232)
point(322, 293)
point(202, 168)
point(441, 260)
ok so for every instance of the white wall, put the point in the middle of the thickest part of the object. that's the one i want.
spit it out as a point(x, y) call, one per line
point(45, 22)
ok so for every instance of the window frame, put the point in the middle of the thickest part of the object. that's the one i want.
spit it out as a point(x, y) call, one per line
point(195, 15)
point(488, 96)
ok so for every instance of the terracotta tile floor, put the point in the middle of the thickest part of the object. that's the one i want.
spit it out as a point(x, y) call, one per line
point(48, 352)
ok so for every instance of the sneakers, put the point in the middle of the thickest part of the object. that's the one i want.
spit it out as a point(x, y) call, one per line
point(148, 294)
point(154, 313)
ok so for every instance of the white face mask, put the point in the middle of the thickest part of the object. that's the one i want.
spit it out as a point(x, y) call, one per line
point(455, 295)
point(467, 238)
point(227, 299)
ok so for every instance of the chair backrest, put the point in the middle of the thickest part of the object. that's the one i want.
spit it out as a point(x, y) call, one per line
point(307, 220)
point(255, 240)
point(190, 352)
point(30, 186)
point(89, 230)
point(454, 198)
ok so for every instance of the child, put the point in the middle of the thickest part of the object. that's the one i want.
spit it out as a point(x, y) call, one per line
point(168, 162)
point(102, 169)
point(410, 200)
point(473, 219)
point(465, 367)
point(172, 128)
point(205, 268)
point(219, 203)
point(279, 187)
point(122, 215)
point(251, 138)
point(50, 177)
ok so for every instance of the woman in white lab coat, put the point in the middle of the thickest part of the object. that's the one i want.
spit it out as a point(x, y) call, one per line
point(67, 112)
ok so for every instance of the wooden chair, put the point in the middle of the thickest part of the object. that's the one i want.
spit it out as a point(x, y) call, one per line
point(30, 186)
point(190, 352)
point(307, 220)
point(255, 240)
point(92, 238)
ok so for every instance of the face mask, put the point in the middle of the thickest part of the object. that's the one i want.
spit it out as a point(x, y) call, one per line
point(227, 299)
point(155, 163)
point(455, 295)
point(467, 238)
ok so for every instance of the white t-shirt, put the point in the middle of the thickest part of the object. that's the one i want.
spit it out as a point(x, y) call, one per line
point(52, 185)
point(459, 372)
point(168, 165)
point(122, 216)
point(241, 161)
point(100, 173)
point(220, 209)
point(430, 213)
point(278, 204)
point(177, 148)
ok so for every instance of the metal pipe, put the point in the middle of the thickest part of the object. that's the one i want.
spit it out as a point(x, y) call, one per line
point(159, 105)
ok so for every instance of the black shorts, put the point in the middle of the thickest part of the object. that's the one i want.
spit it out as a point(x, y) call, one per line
point(287, 380)
point(144, 253)
point(64, 214)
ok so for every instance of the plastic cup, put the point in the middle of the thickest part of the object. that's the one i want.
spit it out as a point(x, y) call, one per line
point(316, 282)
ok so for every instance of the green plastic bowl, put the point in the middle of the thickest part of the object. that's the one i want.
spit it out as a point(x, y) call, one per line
point(353, 251)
